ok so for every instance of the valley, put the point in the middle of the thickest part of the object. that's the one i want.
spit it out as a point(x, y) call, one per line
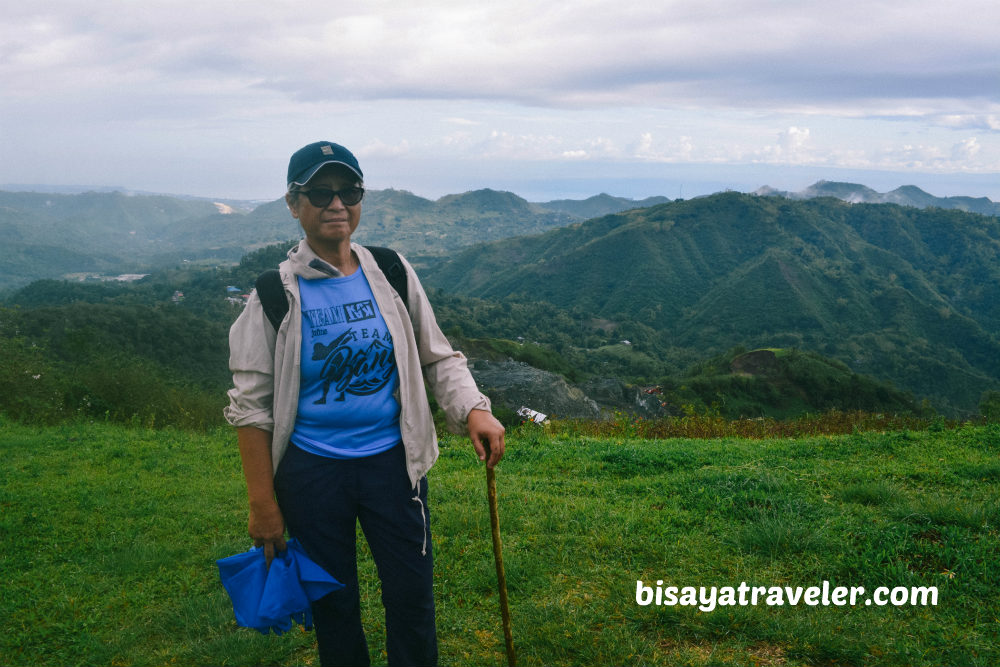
point(641, 294)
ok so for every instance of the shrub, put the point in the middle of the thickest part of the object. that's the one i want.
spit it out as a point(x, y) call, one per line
point(989, 406)
point(31, 389)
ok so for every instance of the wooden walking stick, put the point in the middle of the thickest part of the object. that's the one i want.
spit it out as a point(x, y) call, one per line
point(491, 492)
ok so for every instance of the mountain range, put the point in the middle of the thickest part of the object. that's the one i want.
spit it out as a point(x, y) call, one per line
point(51, 234)
point(900, 293)
point(909, 293)
point(907, 195)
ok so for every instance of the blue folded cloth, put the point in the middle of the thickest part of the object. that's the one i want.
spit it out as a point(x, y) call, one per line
point(269, 599)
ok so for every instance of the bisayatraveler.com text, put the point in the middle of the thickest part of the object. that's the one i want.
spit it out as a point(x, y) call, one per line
point(708, 598)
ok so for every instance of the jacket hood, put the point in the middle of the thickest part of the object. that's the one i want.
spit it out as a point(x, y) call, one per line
point(304, 262)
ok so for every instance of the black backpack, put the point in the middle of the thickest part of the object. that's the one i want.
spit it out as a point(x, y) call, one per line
point(275, 302)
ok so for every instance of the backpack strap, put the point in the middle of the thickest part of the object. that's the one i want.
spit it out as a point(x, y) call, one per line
point(272, 295)
point(392, 266)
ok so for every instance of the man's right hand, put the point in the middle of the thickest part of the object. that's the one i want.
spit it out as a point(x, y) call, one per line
point(267, 528)
point(266, 525)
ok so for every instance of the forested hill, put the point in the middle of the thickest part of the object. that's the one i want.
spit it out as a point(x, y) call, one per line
point(58, 235)
point(911, 295)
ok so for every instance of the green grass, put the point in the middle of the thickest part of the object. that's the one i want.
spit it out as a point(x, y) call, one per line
point(110, 535)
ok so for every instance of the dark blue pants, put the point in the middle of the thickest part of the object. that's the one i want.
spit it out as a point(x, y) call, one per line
point(322, 499)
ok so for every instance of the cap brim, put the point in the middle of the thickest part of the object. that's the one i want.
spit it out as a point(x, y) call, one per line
point(306, 177)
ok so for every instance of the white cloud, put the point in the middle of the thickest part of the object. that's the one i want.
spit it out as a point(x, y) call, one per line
point(966, 150)
point(771, 54)
point(990, 122)
point(518, 146)
point(462, 121)
point(793, 142)
point(644, 148)
point(379, 149)
point(870, 85)
point(652, 149)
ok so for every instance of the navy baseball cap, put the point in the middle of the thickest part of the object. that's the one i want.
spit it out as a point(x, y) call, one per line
point(309, 159)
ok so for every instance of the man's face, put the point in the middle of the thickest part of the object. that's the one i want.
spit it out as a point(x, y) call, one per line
point(332, 225)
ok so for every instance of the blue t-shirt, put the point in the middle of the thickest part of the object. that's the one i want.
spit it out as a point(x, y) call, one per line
point(347, 405)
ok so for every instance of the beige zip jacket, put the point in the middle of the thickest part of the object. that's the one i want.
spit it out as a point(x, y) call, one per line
point(265, 362)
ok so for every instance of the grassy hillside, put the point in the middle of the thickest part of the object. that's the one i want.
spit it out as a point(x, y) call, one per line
point(110, 536)
point(899, 293)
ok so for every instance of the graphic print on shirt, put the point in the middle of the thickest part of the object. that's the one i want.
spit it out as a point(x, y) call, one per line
point(350, 368)
point(349, 381)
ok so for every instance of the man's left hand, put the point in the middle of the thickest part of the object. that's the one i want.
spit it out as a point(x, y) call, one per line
point(487, 435)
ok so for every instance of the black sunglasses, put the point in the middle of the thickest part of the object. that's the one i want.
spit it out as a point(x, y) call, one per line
point(321, 197)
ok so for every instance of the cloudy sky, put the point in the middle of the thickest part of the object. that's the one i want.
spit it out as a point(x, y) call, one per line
point(548, 100)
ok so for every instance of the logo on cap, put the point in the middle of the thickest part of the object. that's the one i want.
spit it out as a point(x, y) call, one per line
point(327, 150)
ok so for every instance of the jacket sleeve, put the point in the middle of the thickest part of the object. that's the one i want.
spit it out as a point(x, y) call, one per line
point(251, 360)
point(445, 369)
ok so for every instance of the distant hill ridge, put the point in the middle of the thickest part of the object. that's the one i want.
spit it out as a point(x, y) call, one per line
point(116, 232)
point(602, 204)
point(907, 195)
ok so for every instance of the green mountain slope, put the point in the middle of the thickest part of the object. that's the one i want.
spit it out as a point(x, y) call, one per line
point(900, 293)
point(602, 204)
point(786, 383)
point(53, 235)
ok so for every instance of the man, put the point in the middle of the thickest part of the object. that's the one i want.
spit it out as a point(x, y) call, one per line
point(332, 417)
